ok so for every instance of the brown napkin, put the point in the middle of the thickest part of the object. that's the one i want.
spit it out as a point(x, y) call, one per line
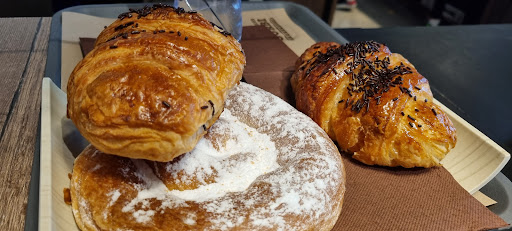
point(377, 198)
point(269, 66)
point(86, 45)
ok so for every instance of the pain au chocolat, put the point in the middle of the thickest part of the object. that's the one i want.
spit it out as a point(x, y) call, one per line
point(154, 83)
point(374, 103)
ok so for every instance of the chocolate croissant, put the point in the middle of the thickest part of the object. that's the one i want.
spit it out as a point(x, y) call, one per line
point(373, 103)
point(154, 83)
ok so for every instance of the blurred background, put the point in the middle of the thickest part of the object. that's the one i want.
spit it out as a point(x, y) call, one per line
point(337, 13)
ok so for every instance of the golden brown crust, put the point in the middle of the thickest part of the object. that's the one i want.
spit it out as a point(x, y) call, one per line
point(374, 103)
point(291, 173)
point(153, 84)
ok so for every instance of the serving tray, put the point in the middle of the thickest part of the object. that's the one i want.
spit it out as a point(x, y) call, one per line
point(473, 163)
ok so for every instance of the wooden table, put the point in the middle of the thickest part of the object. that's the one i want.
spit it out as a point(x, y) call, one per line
point(23, 49)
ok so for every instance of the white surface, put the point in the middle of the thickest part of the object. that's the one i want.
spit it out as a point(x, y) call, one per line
point(476, 159)
point(73, 27)
point(55, 163)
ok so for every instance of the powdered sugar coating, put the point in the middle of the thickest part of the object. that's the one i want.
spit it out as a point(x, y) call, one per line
point(232, 163)
point(263, 165)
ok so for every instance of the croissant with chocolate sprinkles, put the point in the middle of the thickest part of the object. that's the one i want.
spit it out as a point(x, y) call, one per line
point(154, 83)
point(374, 103)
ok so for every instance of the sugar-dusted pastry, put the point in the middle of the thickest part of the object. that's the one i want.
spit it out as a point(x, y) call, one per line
point(262, 166)
point(154, 83)
point(374, 103)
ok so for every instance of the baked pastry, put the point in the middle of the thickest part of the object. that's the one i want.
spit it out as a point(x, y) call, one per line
point(374, 103)
point(262, 166)
point(154, 83)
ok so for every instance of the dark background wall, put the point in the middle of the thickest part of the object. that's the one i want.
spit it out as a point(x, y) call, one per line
point(448, 11)
point(34, 8)
point(26, 8)
point(38, 8)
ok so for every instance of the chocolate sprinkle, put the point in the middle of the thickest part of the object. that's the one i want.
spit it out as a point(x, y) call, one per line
point(179, 33)
point(123, 35)
point(213, 108)
point(410, 117)
point(146, 10)
point(410, 124)
point(167, 105)
point(204, 107)
point(215, 25)
point(186, 38)
point(434, 111)
point(222, 31)
point(374, 77)
point(122, 26)
point(225, 33)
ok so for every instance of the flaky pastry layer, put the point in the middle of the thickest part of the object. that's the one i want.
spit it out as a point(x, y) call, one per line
point(154, 83)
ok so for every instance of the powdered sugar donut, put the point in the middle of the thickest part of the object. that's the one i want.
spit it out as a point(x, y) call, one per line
point(262, 166)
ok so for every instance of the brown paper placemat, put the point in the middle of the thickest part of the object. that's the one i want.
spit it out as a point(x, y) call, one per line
point(377, 198)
